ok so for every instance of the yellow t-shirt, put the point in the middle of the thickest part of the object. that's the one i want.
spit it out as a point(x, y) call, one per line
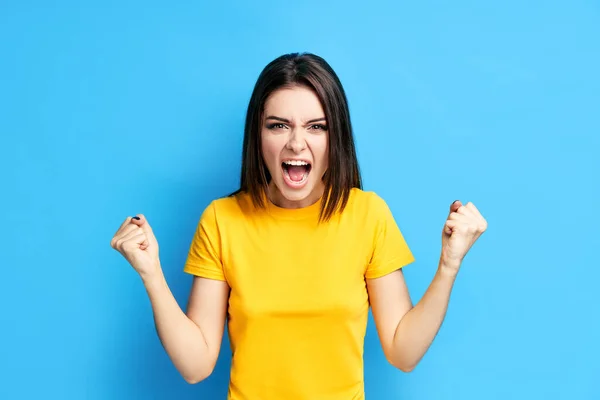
point(298, 305)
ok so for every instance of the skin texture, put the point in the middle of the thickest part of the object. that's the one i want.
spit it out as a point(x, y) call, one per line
point(192, 339)
point(406, 331)
point(294, 127)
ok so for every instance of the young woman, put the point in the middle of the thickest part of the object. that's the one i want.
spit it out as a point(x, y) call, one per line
point(296, 256)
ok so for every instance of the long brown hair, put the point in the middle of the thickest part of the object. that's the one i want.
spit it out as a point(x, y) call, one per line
point(314, 72)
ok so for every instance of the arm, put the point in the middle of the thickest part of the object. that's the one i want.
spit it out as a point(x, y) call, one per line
point(406, 332)
point(192, 341)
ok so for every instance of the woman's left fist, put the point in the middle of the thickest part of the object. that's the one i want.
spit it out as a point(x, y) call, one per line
point(462, 228)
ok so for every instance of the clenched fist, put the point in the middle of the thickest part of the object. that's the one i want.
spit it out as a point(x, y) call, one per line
point(137, 243)
point(462, 228)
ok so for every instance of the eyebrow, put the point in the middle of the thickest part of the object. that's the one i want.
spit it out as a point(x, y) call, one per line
point(287, 121)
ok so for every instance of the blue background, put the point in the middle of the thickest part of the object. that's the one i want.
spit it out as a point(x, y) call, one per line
point(114, 108)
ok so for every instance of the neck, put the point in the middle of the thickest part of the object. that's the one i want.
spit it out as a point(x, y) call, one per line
point(279, 200)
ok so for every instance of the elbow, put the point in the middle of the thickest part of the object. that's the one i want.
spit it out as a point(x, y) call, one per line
point(402, 365)
point(406, 367)
point(192, 380)
point(198, 376)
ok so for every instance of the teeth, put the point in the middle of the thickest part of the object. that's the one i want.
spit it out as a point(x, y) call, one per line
point(295, 162)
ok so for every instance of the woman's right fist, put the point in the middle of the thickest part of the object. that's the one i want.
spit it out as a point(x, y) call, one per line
point(137, 243)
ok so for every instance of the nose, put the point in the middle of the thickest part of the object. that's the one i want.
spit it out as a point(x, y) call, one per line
point(296, 141)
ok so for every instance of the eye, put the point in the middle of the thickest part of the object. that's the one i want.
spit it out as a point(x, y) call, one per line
point(276, 125)
point(318, 127)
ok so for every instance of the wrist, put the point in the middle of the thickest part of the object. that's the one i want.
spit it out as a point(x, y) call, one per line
point(448, 267)
point(152, 275)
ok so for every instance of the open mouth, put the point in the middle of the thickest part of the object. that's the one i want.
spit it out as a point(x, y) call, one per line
point(296, 171)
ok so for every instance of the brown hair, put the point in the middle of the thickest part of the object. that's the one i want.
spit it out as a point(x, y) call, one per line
point(314, 72)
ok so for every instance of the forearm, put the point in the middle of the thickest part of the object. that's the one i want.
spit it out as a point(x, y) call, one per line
point(417, 329)
point(182, 339)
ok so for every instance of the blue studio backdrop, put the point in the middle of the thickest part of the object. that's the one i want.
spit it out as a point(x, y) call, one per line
point(108, 109)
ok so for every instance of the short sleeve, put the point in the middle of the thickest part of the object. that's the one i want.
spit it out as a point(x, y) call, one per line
point(390, 250)
point(204, 256)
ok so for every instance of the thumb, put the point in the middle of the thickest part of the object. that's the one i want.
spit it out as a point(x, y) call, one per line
point(141, 221)
point(454, 206)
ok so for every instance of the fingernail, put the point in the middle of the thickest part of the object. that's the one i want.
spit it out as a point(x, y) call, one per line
point(454, 201)
point(136, 217)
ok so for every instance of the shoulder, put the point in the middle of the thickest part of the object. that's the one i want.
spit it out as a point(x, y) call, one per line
point(228, 208)
point(367, 202)
point(366, 211)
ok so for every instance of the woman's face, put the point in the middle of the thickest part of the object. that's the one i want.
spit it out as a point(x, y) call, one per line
point(295, 146)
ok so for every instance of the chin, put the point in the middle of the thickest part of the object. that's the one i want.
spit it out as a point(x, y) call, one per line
point(295, 194)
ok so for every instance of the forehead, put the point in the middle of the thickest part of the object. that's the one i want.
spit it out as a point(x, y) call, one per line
point(294, 102)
